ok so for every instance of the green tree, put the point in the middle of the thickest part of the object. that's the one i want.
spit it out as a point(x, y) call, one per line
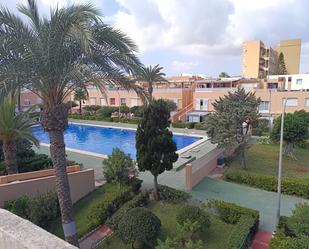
point(53, 56)
point(155, 148)
point(231, 122)
point(151, 75)
point(171, 105)
point(80, 95)
point(139, 226)
point(295, 130)
point(13, 126)
point(281, 65)
point(224, 75)
point(117, 167)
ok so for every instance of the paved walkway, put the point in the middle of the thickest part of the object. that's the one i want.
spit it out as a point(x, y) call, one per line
point(94, 238)
point(261, 240)
point(263, 201)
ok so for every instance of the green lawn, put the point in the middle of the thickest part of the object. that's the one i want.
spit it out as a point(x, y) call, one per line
point(81, 210)
point(263, 159)
point(215, 238)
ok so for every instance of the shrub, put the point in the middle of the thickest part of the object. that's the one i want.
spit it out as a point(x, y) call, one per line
point(298, 223)
point(200, 126)
point(139, 225)
point(243, 233)
point(117, 167)
point(261, 127)
point(290, 186)
point(172, 195)
point(179, 125)
point(124, 109)
point(40, 210)
point(230, 212)
point(106, 111)
point(264, 140)
point(281, 241)
point(137, 110)
point(37, 162)
point(139, 200)
point(44, 209)
point(109, 205)
point(135, 184)
point(193, 213)
point(92, 108)
point(19, 206)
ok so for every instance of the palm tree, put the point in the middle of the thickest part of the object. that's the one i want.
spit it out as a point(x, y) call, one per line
point(151, 75)
point(80, 95)
point(54, 56)
point(13, 126)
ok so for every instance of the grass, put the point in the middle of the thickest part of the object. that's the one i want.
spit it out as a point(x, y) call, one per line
point(215, 238)
point(263, 159)
point(81, 210)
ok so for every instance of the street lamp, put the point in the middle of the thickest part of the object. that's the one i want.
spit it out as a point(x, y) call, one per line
point(280, 163)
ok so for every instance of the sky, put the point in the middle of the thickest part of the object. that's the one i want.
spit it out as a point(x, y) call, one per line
point(199, 36)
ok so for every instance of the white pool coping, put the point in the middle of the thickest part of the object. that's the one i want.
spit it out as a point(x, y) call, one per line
point(179, 152)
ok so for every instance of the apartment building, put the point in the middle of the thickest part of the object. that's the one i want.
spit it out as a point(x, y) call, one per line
point(260, 60)
point(272, 93)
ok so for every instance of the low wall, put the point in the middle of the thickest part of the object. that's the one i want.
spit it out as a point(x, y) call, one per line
point(34, 174)
point(81, 183)
point(18, 233)
point(198, 169)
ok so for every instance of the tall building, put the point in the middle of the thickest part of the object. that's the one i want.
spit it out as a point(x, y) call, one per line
point(260, 60)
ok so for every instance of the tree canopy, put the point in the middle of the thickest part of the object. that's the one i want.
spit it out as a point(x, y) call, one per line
point(232, 120)
point(155, 148)
point(295, 130)
point(281, 65)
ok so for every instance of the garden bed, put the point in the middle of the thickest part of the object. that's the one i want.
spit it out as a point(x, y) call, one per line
point(216, 236)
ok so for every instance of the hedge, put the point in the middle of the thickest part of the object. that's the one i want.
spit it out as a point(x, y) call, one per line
point(172, 195)
point(290, 186)
point(105, 119)
point(139, 200)
point(246, 222)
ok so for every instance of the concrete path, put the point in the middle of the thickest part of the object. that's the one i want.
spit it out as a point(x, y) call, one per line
point(263, 201)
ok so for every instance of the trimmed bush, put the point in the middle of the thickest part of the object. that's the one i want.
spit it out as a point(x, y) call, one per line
point(19, 206)
point(193, 214)
point(243, 233)
point(37, 162)
point(298, 223)
point(108, 206)
point(290, 186)
point(139, 225)
point(246, 220)
point(281, 241)
point(172, 195)
point(106, 111)
point(139, 200)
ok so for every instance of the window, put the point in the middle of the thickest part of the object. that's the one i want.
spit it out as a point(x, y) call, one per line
point(291, 102)
point(102, 101)
point(26, 102)
point(123, 101)
point(92, 101)
point(112, 101)
point(299, 82)
point(264, 106)
point(307, 102)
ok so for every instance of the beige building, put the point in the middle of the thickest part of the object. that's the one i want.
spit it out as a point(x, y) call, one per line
point(260, 60)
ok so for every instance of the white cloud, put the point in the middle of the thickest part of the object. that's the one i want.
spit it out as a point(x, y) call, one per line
point(184, 66)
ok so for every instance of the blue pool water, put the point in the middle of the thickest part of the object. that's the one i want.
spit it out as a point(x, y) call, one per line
point(102, 140)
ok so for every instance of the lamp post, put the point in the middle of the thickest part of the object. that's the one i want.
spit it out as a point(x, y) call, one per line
point(280, 163)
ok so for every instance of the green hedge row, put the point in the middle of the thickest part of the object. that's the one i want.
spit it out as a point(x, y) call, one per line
point(246, 222)
point(285, 239)
point(105, 119)
point(40, 210)
point(111, 202)
point(290, 186)
point(172, 195)
point(191, 125)
point(139, 200)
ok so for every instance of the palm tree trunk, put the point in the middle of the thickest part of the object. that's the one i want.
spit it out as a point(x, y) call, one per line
point(10, 160)
point(155, 183)
point(57, 151)
point(150, 91)
point(80, 107)
point(54, 119)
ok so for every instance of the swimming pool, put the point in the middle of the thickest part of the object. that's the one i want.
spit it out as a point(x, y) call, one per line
point(102, 140)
